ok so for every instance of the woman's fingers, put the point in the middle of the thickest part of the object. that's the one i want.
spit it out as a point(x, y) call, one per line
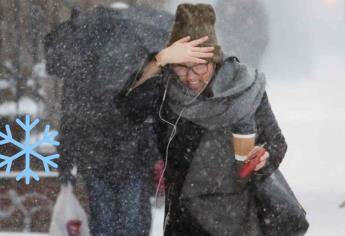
point(199, 41)
point(202, 49)
point(254, 150)
point(201, 54)
point(265, 156)
point(184, 39)
point(263, 161)
point(184, 50)
point(260, 165)
point(197, 60)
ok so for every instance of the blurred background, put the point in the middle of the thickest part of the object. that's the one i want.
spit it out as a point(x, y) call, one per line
point(299, 44)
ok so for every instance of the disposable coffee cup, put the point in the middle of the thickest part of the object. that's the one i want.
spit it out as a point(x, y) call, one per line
point(243, 144)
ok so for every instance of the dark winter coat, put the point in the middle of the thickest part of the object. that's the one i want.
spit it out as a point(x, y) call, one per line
point(94, 53)
point(145, 101)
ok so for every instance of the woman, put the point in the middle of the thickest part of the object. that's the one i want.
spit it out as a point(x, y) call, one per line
point(199, 99)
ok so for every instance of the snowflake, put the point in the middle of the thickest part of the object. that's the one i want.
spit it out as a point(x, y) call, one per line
point(27, 149)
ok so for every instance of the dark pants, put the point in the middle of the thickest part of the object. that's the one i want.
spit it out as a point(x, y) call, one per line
point(119, 207)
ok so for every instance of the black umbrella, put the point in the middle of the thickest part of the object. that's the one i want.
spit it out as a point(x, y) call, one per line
point(105, 37)
point(137, 31)
point(73, 43)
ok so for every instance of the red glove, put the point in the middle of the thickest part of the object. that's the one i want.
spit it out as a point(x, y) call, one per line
point(252, 162)
point(158, 169)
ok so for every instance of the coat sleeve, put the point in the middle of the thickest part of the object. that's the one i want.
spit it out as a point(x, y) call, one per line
point(269, 131)
point(139, 103)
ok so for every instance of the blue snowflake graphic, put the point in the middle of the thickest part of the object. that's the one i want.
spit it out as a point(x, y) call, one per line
point(27, 149)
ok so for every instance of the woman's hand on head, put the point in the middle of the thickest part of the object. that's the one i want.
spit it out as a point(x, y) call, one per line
point(185, 51)
point(182, 51)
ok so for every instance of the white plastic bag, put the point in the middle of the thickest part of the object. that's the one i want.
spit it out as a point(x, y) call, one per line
point(69, 218)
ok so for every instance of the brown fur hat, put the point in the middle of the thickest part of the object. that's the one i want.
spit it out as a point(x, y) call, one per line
point(196, 20)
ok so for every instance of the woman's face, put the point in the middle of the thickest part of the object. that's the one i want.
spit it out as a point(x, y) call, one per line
point(194, 76)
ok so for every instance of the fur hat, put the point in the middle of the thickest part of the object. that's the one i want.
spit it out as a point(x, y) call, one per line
point(196, 20)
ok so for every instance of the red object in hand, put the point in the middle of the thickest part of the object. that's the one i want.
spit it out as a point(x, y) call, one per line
point(73, 227)
point(158, 170)
point(252, 162)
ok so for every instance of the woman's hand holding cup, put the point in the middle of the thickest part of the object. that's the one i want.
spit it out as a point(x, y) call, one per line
point(263, 158)
point(256, 159)
point(249, 157)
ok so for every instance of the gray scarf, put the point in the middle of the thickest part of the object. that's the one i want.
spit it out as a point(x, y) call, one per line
point(237, 92)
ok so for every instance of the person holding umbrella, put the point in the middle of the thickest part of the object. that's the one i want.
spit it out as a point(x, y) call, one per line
point(111, 155)
point(199, 98)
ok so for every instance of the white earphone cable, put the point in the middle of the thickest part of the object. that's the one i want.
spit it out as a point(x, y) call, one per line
point(171, 137)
